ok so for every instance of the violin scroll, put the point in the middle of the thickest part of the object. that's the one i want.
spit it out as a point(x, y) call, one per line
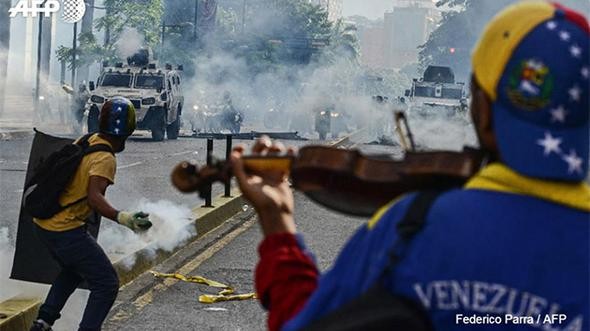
point(187, 177)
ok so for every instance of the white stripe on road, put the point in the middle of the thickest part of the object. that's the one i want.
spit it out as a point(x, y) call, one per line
point(129, 165)
point(181, 153)
point(155, 158)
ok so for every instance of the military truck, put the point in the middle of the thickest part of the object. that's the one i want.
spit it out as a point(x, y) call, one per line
point(436, 92)
point(155, 92)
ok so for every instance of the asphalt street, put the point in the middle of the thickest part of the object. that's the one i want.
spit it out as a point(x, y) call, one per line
point(176, 306)
point(143, 173)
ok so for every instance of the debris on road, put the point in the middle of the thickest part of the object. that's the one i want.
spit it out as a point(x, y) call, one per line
point(226, 293)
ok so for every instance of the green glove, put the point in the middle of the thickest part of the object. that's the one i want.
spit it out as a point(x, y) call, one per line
point(138, 222)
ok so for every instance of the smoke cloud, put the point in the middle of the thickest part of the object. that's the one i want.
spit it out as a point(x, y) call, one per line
point(443, 132)
point(170, 229)
point(12, 288)
point(285, 99)
point(129, 42)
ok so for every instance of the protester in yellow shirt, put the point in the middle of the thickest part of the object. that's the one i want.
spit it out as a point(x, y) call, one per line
point(65, 235)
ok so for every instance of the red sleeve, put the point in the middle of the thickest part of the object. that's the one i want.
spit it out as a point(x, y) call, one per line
point(285, 278)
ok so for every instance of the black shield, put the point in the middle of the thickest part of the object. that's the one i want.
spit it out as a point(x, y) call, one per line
point(32, 260)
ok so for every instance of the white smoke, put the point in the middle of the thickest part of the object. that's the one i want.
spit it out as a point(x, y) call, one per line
point(170, 229)
point(293, 93)
point(7, 290)
point(129, 42)
point(17, 289)
point(443, 132)
point(11, 288)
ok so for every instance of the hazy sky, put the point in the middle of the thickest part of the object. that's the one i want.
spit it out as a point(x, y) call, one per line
point(369, 8)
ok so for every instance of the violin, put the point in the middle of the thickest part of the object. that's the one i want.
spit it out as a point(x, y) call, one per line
point(346, 180)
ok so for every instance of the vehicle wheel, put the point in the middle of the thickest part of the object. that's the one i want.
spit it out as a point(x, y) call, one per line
point(93, 119)
point(173, 129)
point(323, 135)
point(159, 128)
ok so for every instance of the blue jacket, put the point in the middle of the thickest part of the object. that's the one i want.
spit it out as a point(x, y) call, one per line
point(485, 252)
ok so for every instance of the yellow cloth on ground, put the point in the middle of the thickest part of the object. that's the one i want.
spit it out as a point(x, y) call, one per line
point(102, 164)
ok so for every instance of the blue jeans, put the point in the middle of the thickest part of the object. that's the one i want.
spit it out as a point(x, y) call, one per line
point(81, 259)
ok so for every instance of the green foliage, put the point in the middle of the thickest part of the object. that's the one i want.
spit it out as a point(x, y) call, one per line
point(444, 47)
point(144, 16)
point(288, 32)
point(178, 47)
point(460, 30)
point(344, 43)
point(121, 14)
point(228, 22)
point(88, 51)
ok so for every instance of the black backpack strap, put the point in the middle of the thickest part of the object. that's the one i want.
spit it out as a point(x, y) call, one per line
point(415, 217)
point(98, 148)
point(377, 309)
point(412, 223)
point(83, 141)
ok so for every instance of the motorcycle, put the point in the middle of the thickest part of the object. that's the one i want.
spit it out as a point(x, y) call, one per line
point(232, 119)
point(215, 119)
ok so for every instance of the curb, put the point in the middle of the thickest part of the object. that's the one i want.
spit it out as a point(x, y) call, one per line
point(17, 314)
point(14, 135)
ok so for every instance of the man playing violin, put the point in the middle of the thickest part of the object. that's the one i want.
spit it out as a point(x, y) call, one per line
point(509, 250)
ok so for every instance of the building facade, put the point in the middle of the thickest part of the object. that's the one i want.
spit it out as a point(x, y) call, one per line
point(372, 46)
point(394, 42)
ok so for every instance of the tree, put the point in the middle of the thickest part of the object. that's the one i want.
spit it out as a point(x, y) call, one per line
point(87, 22)
point(451, 43)
point(144, 16)
point(280, 31)
point(141, 15)
point(4, 48)
point(88, 51)
point(343, 42)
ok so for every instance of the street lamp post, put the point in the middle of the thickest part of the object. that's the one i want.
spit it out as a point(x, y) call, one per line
point(244, 16)
point(74, 47)
point(196, 21)
point(38, 78)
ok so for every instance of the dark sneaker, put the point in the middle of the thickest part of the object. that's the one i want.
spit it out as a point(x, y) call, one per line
point(40, 325)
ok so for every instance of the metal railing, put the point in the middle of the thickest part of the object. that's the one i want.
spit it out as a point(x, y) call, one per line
point(210, 162)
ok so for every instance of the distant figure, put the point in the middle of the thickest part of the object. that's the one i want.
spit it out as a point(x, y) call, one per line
point(79, 105)
point(231, 117)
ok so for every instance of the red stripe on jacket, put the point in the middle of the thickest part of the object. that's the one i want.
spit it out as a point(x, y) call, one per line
point(285, 278)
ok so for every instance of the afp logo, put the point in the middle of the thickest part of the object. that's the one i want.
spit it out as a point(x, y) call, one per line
point(72, 10)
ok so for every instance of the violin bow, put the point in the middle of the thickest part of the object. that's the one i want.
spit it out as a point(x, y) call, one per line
point(401, 122)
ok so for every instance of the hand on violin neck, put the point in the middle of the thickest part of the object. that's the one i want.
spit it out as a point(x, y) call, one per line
point(268, 191)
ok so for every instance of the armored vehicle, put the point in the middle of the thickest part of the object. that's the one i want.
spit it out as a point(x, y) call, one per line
point(437, 92)
point(155, 92)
